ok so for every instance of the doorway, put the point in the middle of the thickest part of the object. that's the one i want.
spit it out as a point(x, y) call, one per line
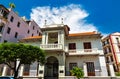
point(90, 68)
point(51, 68)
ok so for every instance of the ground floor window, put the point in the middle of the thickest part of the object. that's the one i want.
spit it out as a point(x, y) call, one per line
point(9, 71)
point(26, 70)
point(71, 65)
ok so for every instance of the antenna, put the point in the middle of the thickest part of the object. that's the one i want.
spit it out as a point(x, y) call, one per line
point(45, 22)
point(61, 20)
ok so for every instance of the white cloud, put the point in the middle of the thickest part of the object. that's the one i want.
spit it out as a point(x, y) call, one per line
point(74, 16)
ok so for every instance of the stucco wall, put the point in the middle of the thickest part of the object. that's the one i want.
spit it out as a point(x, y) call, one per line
point(115, 45)
point(22, 29)
point(82, 59)
point(95, 43)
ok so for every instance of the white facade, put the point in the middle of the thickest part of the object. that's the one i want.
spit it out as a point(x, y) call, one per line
point(65, 51)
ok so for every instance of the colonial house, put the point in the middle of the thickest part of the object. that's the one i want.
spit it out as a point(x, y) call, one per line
point(65, 51)
point(111, 47)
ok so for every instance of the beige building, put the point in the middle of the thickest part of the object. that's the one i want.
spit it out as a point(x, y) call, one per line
point(111, 47)
point(65, 51)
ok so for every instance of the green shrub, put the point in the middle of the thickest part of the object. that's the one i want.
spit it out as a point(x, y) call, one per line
point(117, 73)
point(78, 72)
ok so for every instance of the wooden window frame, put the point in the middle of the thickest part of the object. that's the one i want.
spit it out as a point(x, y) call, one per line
point(72, 46)
point(87, 46)
point(8, 30)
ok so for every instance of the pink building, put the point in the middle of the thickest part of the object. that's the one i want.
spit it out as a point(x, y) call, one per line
point(13, 27)
point(111, 47)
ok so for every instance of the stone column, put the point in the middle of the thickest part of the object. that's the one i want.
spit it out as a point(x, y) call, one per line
point(21, 70)
point(59, 37)
point(103, 68)
point(61, 71)
point(41, 71)
point(44, 38)
point(112, 73)
point(85, 69)
point(4, 70)
point(61, 65)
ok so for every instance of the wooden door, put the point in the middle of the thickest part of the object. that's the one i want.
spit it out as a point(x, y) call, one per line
point(90, 69)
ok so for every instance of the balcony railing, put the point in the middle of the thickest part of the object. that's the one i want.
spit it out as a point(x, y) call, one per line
point(85, 51)
point(51, 46)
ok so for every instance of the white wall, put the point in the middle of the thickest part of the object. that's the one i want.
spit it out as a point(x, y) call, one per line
point(82, 59)
point(95, 43)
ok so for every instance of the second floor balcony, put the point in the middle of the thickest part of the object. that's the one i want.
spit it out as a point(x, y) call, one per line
point(85, 52)
point(52, 47)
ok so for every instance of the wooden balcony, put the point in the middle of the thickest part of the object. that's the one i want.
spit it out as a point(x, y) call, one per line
point(108, 54)
point(85, 52)
point(51, 47)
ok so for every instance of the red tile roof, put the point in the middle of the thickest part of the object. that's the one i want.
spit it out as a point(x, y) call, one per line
point(33, 37)
point(70, 35)
point(83, 34)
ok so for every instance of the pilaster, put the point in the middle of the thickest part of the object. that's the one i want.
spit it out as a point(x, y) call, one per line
point(103, 68)
point(85, 69)
point(61, 65)
point(112, 73)
point(4, 70)
point(41, 71)
point(21, 70)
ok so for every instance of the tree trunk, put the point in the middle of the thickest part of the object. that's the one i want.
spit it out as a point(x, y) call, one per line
point(16, 69)
point(16, 75)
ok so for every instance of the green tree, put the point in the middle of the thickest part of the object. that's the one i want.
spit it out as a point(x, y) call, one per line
point(12, 5)
point(78, 72)
point(10, 53)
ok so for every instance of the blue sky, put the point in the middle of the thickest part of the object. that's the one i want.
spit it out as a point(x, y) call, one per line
point(87, 15)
